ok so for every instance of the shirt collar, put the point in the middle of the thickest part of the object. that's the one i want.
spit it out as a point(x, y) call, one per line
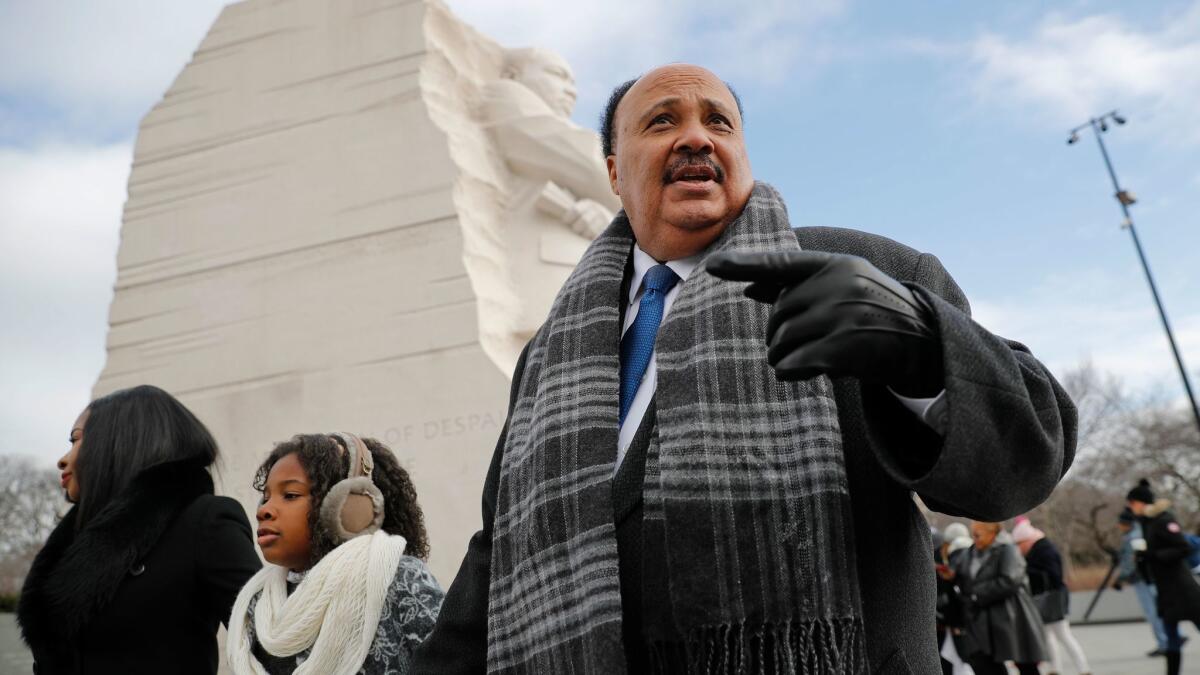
point(642, 262)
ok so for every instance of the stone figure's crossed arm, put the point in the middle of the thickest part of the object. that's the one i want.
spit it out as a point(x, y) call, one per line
point(585, 217)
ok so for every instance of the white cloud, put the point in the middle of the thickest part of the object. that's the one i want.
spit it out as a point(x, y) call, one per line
point(1074, 68)
point(1065, 70)
point(94, 68)
point(60, 214)
point(609, 42)
point(97, 66)
point(1103, 316)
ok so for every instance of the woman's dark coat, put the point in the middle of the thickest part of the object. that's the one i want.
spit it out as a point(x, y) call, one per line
point(951, 614)
point(142, 587)
point(1166, 563)
point(1002, 620)
point(1043, 564)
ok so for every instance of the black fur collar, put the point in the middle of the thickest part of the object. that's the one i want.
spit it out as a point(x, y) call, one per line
point(76, 574)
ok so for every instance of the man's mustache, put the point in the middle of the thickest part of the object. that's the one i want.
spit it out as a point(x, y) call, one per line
point(691, 162)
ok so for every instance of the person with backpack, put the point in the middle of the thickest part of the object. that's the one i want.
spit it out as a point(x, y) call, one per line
point(1132, 573)
point(1164, 552)
point(1193, 558)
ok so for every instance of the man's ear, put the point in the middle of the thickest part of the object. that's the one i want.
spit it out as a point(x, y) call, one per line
point(611, 162)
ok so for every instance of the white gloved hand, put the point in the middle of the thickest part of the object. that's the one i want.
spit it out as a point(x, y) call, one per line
point(1138, 545)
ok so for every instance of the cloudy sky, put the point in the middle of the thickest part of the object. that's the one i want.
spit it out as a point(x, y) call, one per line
point(938, 124)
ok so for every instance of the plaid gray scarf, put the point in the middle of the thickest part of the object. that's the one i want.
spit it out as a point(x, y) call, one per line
point(749, 543)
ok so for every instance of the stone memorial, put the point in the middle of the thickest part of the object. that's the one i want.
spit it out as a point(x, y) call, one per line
point(351, 215)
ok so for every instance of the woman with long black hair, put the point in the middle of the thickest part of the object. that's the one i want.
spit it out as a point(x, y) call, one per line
point(148, 561)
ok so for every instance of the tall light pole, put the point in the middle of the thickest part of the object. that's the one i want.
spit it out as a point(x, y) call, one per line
point(1099, 125)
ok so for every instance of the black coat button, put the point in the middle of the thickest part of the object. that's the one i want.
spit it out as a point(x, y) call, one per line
point(137, 570)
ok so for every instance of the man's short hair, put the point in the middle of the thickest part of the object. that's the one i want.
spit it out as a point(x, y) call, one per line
point(608, 134)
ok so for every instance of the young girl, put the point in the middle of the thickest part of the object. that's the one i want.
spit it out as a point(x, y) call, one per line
point(346, 591)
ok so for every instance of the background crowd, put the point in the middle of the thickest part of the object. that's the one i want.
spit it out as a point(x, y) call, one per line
point(1002, 597)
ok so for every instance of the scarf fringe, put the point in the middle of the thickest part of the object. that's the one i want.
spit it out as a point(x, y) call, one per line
point(803, 647)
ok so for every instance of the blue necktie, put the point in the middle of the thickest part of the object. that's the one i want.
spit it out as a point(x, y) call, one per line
point(638, 343)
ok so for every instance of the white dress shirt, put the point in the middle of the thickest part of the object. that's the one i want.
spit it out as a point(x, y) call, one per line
point(684, 267)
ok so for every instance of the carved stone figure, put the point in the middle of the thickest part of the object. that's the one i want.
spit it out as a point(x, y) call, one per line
point(341, 217)
point(558, 196)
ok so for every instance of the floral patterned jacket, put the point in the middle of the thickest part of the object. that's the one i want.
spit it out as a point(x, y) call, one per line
point(409, 613)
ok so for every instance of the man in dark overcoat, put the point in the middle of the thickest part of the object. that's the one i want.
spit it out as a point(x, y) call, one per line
point(1163, 554)
point(697, 475)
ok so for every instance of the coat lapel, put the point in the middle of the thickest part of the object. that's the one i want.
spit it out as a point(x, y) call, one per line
point(627, 485)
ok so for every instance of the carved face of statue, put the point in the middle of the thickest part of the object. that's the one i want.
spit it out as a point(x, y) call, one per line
point(548, 75)
point(679, 164)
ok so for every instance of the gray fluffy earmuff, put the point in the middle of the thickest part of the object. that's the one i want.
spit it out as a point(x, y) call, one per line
point(354, 506)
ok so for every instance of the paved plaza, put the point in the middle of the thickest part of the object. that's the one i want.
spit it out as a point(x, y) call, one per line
point(1120, 649)
point(1114, 649)
point(14, 658)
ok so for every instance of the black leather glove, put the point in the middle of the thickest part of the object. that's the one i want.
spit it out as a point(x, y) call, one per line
point(838, 315)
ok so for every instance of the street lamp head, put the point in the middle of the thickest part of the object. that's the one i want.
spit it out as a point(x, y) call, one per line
point(1073, 139)
point(1118, 119)
point(1103, 125)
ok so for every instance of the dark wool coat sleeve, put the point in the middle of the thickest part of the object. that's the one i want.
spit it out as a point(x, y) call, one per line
point(1008, 426)
point(988, 465)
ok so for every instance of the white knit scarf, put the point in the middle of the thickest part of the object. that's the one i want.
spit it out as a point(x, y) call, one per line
point(335, 609)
